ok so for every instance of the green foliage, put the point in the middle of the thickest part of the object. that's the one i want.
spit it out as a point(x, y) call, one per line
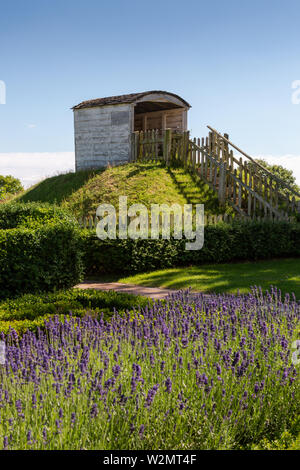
point(288, 440)
point(283, 173)
point(222, 243)
point(58, 188)
point(39, 256)
point(15, 214)
point(9, 185)
point(30, 311)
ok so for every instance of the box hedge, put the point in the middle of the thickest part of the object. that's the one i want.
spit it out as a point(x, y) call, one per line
point(42, 248)
point(30, 311)
point(14, 214)
point(40, 258)
point(222, 243)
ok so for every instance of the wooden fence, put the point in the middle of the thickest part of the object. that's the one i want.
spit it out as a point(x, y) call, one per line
point(90, 221)
point(252, 190)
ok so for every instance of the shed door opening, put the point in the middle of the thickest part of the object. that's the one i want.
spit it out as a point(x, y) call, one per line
point(160, 115)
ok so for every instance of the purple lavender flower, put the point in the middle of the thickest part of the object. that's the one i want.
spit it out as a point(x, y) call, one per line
point(29, 437)
point(116, 370)
point(141, 431)
point(5, 442)
point(94, 411)
point(150, 396)
point(168, 384)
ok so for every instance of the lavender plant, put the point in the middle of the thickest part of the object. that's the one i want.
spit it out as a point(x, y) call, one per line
point(194, 372)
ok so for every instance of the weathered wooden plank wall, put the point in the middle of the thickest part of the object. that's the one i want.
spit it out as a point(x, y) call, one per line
point(102, 136)
point(170, 118)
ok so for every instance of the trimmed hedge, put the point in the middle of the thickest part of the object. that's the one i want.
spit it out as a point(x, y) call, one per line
point(15, 214)
point(42, 248)
point(31, 306)
point(222, 243)
point(30, 311)
point(42, 258)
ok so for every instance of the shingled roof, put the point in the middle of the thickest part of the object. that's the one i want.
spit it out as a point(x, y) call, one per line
point(131, 98)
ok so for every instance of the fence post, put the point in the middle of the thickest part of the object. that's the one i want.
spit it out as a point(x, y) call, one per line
point(136, 145)
point(222, 183)
point(133, 153)
point(186, 136)
point(167, 145)
point(225, 147)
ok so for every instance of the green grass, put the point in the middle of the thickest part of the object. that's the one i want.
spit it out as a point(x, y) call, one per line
point(146, 183)
point(282, 273)
point(57, 188)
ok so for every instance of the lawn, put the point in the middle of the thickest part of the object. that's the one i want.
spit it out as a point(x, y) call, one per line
point(57, 189)
point(219, 278)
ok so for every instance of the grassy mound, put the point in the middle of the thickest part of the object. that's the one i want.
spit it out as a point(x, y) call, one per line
point(58, 188)
point(145, 183)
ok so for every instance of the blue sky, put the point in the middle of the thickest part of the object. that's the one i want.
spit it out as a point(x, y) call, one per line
point(234, 61)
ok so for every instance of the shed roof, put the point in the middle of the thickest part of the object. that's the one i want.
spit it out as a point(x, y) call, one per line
point(131, 98)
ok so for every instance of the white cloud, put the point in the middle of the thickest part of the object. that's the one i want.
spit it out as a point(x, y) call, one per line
point(31, 126)
point(33, 167)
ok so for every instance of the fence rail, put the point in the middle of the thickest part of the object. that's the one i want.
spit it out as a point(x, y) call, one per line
point(252, 190)
point(90, 221)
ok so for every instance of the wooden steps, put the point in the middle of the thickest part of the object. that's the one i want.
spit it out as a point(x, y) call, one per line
point(248, 187)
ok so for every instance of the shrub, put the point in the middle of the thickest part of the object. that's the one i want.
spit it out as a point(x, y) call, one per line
point(14, 214)
point(222, 243)
point(30, 311)
point(9, 186)
point(39, 259)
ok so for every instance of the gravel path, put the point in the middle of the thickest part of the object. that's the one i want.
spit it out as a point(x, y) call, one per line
point(152, 292)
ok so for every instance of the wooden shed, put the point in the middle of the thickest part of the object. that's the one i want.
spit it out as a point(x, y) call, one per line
point(104, 126)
